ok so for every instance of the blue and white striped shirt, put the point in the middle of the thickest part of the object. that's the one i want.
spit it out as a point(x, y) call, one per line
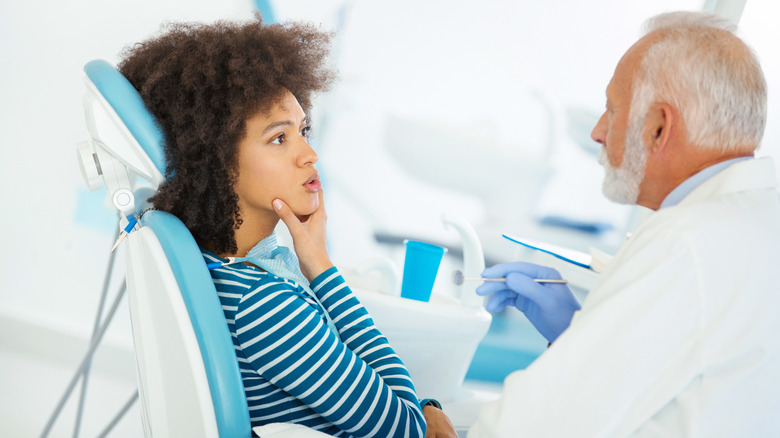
point(296, 370)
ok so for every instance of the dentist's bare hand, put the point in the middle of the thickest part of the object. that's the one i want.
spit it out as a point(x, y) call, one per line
point(309, 238)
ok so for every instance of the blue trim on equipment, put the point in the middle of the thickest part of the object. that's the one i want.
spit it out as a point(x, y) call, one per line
point(208, 321)
point(129, 106)
point(266, 11)
point(554, 254)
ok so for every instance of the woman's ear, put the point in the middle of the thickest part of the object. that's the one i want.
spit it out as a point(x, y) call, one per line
point(660, 122)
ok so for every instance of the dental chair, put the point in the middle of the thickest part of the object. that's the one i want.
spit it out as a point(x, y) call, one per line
point(188, 378)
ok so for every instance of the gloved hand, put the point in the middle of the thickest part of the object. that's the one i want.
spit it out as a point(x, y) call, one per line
point(549, 306)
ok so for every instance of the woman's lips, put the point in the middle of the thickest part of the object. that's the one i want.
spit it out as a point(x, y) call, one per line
point(313, 184)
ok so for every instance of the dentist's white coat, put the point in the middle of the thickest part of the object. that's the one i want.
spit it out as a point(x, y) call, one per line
point(681, 335)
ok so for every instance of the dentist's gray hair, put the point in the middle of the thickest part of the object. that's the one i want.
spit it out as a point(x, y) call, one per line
point(699, 66)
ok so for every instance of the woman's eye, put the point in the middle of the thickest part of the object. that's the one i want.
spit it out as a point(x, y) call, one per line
point(306, 132)
point(278, 139)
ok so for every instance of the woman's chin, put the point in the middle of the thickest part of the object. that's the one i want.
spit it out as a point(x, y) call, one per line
point(304, 211)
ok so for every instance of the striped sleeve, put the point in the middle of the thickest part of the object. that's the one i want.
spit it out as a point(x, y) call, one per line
point(359, 385)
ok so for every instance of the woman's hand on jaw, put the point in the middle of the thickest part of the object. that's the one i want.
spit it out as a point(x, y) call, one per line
point(309, 238)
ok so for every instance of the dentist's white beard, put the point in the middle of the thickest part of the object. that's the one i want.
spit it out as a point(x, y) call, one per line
point(621, 184)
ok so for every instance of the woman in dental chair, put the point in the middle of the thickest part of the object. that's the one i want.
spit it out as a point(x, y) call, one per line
point(232, 100)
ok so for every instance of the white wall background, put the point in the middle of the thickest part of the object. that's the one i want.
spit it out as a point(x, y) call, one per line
point(55, 234)
point(486, 74)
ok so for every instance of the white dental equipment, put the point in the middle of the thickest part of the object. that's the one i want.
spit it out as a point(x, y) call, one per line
point(425, 335)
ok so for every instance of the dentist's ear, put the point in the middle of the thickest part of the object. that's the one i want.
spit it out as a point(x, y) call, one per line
point(660, 123)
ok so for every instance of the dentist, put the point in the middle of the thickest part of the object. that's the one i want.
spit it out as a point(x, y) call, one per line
point(680, 336)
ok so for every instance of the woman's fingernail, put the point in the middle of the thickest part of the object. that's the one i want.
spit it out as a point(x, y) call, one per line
point(277, 204)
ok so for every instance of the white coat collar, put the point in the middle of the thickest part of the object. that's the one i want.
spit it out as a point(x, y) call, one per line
point(753, 174)
point(756, 173)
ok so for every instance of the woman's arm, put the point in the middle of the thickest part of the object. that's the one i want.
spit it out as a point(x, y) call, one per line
point(358, 332)
point(287, 341)
point(352, 321)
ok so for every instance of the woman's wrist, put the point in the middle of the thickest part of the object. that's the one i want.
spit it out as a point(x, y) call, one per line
point(315, 269)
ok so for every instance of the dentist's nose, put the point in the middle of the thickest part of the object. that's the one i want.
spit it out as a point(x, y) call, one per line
point(599, 133)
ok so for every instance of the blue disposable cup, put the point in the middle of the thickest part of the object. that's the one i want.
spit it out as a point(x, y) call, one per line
point(421, 264)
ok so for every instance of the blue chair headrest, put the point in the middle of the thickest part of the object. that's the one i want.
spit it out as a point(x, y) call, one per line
point(130, 108)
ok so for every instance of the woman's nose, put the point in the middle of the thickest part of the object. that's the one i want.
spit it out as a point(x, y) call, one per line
point(307, 155)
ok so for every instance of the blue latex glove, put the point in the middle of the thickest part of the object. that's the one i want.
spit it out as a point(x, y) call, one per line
point(549, 306)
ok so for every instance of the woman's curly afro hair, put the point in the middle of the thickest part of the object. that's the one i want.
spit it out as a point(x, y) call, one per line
point(203, 82)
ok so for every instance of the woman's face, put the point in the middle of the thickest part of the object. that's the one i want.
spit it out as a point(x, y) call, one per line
point(276, 161)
